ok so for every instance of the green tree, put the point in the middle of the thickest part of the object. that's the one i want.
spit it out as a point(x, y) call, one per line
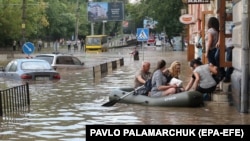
point(54, 19)
point(165, 12)
point(11, 19)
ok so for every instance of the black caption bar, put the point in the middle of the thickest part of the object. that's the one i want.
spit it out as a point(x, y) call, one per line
point(194, 132)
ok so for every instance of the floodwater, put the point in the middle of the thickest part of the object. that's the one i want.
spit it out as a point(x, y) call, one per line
point(59, 111)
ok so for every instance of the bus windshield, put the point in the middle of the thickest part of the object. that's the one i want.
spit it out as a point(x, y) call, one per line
point(93, 41)
point(96, 43)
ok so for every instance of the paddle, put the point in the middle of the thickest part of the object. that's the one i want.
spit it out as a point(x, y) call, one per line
point(113, 102)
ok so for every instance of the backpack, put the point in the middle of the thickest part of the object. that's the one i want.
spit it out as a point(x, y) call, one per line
point(146, 89)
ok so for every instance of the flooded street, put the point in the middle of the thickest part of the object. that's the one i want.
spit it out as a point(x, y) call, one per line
point(59, 111)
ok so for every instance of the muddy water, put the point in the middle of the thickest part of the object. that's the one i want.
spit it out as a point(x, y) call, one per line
point(60, 111)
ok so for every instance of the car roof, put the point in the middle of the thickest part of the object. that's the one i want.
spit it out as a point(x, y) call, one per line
point(51, 54)
point(30, 59)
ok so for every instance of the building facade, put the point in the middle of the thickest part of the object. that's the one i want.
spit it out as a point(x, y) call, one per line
point(234, 24)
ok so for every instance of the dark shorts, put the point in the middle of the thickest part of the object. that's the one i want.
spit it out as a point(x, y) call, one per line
point(206, 90)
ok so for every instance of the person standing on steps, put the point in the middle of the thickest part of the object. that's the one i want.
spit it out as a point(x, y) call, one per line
point(212, 47)
point(229, 56)
point(198, 44)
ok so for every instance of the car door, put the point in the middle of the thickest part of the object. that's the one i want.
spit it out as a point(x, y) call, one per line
point(11, 70)
point(77, 61)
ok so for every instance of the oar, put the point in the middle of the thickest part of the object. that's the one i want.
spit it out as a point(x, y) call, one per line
point(113, 102)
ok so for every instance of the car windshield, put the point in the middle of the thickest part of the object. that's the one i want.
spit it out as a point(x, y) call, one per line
point(47, 58)
point(67, 60)
point(35, 65)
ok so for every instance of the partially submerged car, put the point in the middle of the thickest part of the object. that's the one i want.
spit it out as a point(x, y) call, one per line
point(62, 61)
point(151, 41)
point(29, 70)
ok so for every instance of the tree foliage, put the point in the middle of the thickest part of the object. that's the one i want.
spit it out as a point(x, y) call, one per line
point(165, 12)
point(54, 19)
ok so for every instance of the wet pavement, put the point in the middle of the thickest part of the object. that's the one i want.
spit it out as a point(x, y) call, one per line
point(60, 111)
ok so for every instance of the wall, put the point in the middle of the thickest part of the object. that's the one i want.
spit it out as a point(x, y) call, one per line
point(238, 62)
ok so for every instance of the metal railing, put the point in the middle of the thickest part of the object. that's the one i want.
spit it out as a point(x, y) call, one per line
point(14, 99)
point(104, 68)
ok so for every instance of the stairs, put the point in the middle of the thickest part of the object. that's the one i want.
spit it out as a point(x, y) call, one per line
point(224, 93)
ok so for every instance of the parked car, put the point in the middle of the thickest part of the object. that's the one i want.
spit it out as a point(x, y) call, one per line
point(29, 69)
point(151, 41)
point(158, 42)
point(63, 61)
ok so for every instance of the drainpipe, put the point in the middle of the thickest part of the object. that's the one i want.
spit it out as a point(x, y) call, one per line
point(245, 61)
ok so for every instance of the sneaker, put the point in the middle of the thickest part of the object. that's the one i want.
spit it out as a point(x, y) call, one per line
point(226, 80)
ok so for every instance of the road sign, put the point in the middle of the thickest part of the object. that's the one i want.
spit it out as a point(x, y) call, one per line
point(142, 34)
point(28, 48)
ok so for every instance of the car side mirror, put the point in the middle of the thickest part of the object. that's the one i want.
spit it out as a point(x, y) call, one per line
point(54, 68)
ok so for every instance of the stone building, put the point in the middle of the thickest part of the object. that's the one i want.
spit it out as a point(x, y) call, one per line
point(231, 13)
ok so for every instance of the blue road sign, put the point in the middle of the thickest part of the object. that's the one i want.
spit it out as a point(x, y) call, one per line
point(28, 48)
point(142, 34)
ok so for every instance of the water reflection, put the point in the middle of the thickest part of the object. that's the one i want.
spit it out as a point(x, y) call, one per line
point(60, 111)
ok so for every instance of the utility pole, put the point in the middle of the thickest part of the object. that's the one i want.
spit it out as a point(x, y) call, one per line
point(92, 23)
point(23, 21)
point(77, 21)
point(103, 27)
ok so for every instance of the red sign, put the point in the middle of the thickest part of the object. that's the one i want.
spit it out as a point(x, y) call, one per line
point(187, 19)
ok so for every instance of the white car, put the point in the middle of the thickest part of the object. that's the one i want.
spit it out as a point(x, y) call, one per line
point(62, 61)
point(29, 70)
point(158, 43)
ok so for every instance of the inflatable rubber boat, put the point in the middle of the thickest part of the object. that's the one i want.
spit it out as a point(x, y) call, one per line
point(182, 99)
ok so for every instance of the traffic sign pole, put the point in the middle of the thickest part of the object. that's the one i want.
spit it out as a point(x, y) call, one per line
point(143, 51)
point(142, 35)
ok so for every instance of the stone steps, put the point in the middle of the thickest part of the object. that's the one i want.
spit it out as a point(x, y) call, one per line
point(224, 93)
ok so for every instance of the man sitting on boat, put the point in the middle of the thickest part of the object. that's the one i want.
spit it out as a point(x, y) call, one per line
point(143, 75)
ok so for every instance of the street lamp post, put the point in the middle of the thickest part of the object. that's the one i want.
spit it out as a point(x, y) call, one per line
point(23, 21)
point(92, 28)
point(103, 27)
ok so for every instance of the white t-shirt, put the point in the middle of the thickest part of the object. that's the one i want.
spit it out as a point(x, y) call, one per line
point(206, 79)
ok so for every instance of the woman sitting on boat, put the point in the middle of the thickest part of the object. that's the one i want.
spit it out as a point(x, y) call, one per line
point(202, 79)
point(173, 70)
point(159, 81)
point(172, 73)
